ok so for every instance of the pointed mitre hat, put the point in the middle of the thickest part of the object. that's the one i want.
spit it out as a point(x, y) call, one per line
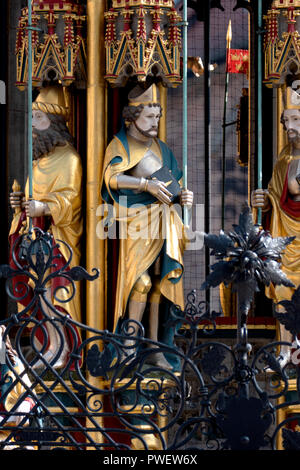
point(291, 92)
point(51, 100)
point(139, 95)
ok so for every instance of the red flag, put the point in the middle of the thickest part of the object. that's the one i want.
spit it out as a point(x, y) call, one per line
point(237, 61)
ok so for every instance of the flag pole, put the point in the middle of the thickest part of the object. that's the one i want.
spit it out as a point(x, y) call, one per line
point(259, 104)
point(29, 104)
point(184, 105)
point(228, 42)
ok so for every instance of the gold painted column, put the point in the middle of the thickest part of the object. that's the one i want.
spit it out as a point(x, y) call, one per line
point(281, 134)
point(96, 143)
point(162, 130)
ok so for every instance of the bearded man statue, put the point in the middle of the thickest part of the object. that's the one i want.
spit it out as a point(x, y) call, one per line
point(139, 172)
point(55, 205)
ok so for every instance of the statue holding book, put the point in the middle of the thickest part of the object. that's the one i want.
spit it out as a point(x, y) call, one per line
point(141, 179)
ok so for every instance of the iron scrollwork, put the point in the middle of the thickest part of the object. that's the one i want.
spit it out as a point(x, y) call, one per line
point(105, 397)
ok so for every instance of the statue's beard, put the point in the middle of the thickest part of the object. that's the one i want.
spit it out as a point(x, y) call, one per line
point(45, 141)
point(152, 132)
point(293, 136)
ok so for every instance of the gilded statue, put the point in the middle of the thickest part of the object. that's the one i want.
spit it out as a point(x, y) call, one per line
point(56, 203)
point(280, 206)
point(152, 235)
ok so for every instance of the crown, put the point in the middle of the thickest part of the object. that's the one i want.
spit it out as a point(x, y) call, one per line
point(139, 95)
point(51, 100)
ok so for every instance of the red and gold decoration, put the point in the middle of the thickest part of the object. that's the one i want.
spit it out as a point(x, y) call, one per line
point(142, 39)
point(282, 41)
point(238, 61)
point(58, 43)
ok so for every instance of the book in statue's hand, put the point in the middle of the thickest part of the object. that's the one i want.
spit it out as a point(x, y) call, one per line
point(164, 174)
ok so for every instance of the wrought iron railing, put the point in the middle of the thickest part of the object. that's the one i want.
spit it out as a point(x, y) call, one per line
point(104, 392)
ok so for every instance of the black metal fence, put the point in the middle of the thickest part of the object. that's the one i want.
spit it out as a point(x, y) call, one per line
point(103, 391)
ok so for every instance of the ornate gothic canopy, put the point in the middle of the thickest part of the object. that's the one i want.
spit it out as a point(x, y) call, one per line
point(142, 39)
point(58, 43)
point(282, 41)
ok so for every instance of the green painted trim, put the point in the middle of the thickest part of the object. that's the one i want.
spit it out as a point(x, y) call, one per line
point(29, 90)
point(184, 100)
point(259, 103)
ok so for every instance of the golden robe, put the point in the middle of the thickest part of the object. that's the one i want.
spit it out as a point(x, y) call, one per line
point(57, 181)
point(160, 228)
point(284, 222)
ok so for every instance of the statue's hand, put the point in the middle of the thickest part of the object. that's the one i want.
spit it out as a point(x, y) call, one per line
point(260, 199)
point(159, 190)
point(186, 198)
point(16, 199)
point(35, 208)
